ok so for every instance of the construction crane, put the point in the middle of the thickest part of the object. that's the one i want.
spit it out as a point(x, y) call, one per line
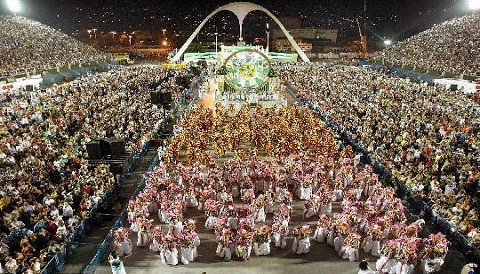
point(363, 40)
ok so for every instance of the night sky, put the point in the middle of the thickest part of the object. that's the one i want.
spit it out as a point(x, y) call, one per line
point(386, 18)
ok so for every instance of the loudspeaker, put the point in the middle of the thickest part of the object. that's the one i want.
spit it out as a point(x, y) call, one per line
point(155, 97)
point(117, 169)
point(117, 147)
point(29, 88)
point(453, 87)
point(168, 128)
point(166, 97)
point(105, 148)
point(93, 150)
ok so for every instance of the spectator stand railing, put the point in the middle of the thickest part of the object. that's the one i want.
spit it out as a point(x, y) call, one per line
point(469, 249)
point(402, 72)
point(417, 73)
point(27, 73)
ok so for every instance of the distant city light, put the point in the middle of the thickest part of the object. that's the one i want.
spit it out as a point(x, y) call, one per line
point(387, 42)
point(14, 6)
point(474, 4)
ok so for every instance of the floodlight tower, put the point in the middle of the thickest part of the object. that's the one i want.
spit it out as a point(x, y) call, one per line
point(14, 6)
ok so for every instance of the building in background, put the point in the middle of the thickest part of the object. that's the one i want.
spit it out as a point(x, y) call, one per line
point(309, 40)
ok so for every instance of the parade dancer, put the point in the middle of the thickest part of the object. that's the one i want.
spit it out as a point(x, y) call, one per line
point(158, 243)
point(349, 249)
point(387, 261)
point(261, 247)
point(324, 226)
point(123, 245)
point(171, 251)
point(225, 245)
point(116, 264)
point(301, 241)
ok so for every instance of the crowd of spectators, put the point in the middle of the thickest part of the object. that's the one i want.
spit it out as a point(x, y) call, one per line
point(426, 135)
point(450, 47)
point(47, 186)
point(28, 45)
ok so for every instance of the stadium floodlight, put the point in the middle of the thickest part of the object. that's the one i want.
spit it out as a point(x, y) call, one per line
point(387, 42)
point(14, 6)
point(474, 4)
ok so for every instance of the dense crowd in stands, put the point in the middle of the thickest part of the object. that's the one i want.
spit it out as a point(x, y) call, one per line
point(427, 135)
point(51, 48)
point(450, 47)
point(47, 187)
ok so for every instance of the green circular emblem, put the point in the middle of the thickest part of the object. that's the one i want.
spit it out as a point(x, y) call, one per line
point(247, 70)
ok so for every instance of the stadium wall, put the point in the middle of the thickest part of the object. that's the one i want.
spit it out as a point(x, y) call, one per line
point(58, 76)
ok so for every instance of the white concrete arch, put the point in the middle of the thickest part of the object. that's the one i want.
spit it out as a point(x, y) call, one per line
point(240, 9)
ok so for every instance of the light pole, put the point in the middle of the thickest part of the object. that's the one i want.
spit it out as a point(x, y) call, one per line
point(95, 33)
point(216, 42)
point(268, 37)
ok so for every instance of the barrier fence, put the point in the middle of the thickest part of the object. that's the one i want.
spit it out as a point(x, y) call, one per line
point(469, 249)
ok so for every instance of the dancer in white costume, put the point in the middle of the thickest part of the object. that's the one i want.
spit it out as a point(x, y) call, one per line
point(190, 199)
point(189, 241)
point(260, 215)
point(123, 245)
point(404, 267)
point(158, 243)
point(301, 242)
point(310, 207)
point(225, 245)
point(304, 191)
point(143, 237)
point(371, 243)
point(116, 264)
point(269, 202)
point(436, 249)
point(323, 227)
point(387, 262)
point(171, 253)
point(244, 241)
point(281, 192)
point(187, 246)
point(349, 249)
point(261, 247)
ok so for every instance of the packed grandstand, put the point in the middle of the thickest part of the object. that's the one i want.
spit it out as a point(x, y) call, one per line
point(450, 48)
point(29, 46)
point(426, 136)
